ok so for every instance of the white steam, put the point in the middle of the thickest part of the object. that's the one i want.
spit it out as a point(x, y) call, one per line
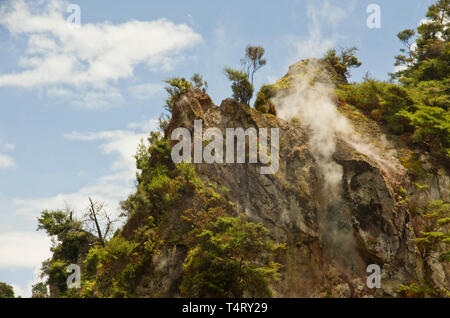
point(312, 103)
point(311, 99)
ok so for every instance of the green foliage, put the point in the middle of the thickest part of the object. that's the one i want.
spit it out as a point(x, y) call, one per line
point(177, 87)
point(429, 59)
point(383, 101)
point(160, 182)
point(436, 218)
point(160, 150)
point(70, 237)
point(253, 60)
point(163, 191)
point(432, 128)
point(434, 93)
point(242, 81)
point(68, 232)
point(112, 270)
point(241, 86)
point(142, 155)
point(403, 111)
point(57, 223)
point(263, 102)
point(414, 166)
point(72, 241)
point(213, 206)
point(342, 60)
point(98, 256)
point(6, 291)
point(372, 94)
point(436, 208)
point(153, 157)
point(421, 186)
point(56, 271)
point(416, 290)
point(405, 37)
point(156, 189)
point(419, 109)
point(445, 257)
point(425, 71)
point(39, 290)
point(69, 247)
point(154, 213)
point(232, 258)
point(199, 83)
point(303, 192)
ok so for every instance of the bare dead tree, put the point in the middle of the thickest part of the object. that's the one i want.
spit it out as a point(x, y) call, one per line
point(98, 220)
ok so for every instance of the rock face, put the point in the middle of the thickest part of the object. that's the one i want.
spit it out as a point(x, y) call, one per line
point(331, 238)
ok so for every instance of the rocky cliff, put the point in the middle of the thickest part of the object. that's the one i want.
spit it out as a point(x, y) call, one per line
point(332, 235)
point(346, 194)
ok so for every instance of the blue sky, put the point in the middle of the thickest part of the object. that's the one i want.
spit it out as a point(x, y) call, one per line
point(76, 101)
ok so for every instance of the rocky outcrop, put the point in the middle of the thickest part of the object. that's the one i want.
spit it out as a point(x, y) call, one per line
point(331, 238)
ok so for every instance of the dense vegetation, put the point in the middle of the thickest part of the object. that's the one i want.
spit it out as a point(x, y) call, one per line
point(227, 255)
point(68, 240)
point(417, 108)
point(6, 291)
point(433, 240)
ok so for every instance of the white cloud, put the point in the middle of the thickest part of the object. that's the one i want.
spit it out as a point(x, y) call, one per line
point(327, 12)
point(111, 188)
point(92, 57)
point(146, 90)
point(319, 16)
point(90, 98)
point(145, 126)
point(6, 146)
point(25, 291)
point(424, 21)
point(398, 68)
point(120, 142)
point(23, 249)
point(5, 160)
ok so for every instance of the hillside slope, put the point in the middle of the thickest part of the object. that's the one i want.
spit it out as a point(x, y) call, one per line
point(343, 197)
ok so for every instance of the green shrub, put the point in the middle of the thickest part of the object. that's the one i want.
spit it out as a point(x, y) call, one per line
point(241, 86)
point(6, 291)
point(177, 87)
point(232, 258)
point(436, 216)
point(403, 110)
point(396, 128)
point(262, 102)
point(57, 275)
point(416, 290)
point(342, 61)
